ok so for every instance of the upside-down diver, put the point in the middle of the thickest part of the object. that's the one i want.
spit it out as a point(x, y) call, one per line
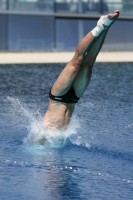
point(75, 77)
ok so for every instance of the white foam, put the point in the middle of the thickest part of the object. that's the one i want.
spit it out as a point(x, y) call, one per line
point(54, 139)
point(31, 120)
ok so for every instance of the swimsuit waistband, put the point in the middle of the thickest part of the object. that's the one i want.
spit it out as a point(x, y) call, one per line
point(69, 97)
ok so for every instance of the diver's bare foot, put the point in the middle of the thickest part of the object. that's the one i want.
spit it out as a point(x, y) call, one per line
point(105, 22)
point(114, 16)
point(108, 20)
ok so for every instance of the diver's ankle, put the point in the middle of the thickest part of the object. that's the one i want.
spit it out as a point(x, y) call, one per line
point(103, 23)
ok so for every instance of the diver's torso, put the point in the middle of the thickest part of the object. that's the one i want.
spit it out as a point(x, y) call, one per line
point(58, 115)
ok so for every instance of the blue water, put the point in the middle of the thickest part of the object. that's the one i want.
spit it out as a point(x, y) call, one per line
point(92, 160)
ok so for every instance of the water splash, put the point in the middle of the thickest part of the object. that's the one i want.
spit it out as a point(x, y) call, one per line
point(30, 119)
point(23, 113)
point(53, 139)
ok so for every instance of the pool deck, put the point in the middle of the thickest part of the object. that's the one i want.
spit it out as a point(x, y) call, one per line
point(60, 57)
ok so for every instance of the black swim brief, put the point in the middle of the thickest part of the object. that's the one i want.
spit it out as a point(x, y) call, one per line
point(69, 97)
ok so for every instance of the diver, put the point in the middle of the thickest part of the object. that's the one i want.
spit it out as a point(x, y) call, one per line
point(75, 77)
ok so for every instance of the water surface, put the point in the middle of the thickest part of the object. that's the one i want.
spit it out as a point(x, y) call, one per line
point(95, 159)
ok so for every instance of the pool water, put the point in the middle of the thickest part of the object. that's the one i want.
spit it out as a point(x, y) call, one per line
point(93, 159)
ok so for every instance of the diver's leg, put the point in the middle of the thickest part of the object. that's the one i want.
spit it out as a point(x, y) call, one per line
point(83, 59)
point(66, 78)
point(83, 78)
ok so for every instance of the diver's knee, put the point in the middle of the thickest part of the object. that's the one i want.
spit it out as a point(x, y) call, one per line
point(79, 59)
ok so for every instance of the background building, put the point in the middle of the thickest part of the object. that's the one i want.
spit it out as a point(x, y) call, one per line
point(58, 25)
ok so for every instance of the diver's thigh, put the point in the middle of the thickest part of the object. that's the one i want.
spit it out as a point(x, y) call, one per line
point(65, 80)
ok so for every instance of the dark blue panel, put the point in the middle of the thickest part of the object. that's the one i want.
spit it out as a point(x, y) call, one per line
point(120, 36)
point(66, 34)
point(3, 32)
point(66, 7)
point(37, 5)
point(30, 32)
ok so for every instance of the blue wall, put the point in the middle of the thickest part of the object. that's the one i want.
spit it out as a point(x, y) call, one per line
point(24, 32)
point(30, 32)
point(3, 32)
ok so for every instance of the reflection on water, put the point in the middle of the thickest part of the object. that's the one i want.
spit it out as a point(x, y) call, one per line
point(91, 160)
